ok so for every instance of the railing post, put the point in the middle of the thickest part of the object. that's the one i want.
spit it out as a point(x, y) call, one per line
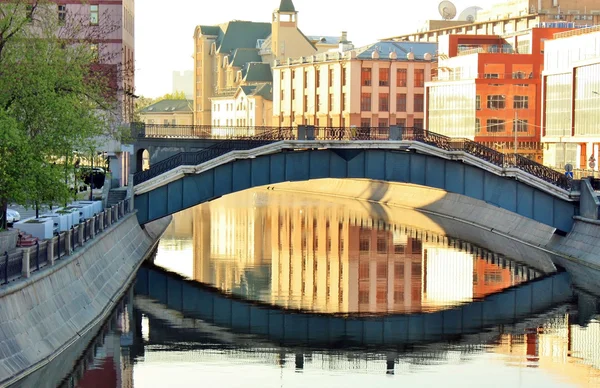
point(58, 247)
point(108, 214)
point(37, 255)
point(310, 132)
point(101, 221)
point(93, 227)
point(5, 267)
point(395, 132)
point(25, 271)
point(301, 132)
point(81, 233)
point(50, 251)
point(67, 242)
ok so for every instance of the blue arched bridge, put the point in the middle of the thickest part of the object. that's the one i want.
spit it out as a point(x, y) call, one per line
point(409, 155)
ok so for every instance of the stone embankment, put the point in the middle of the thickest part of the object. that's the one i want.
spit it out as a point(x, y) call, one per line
point(42, 315)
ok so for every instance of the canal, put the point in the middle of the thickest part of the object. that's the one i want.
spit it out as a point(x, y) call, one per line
point(279, 289)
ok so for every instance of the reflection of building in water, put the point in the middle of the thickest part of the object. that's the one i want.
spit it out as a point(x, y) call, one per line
point(323, 256)
point(561, 346)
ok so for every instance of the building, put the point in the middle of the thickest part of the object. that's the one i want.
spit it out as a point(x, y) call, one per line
point(168, 112)
point(488, 89)
point(250, 105)
point(513, 16)
point(571, 99)
point(222, 52)
point(378, 85)
point(183, 81)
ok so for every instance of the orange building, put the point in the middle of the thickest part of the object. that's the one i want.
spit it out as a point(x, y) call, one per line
point(488, 89)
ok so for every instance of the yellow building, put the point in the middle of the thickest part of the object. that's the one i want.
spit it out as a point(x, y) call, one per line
point(375, 86)
point(571, 99)
point(168, 112)
point(222, 54)
point(512, 16)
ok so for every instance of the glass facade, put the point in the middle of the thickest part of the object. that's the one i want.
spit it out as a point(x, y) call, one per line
point(587, 100)
point(558, 105)
point(452, 109)
point(558, 154)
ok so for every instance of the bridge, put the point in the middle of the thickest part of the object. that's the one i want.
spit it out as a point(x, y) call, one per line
point(241, 158)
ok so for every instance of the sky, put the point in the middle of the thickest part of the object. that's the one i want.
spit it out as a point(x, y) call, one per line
point(164, 30)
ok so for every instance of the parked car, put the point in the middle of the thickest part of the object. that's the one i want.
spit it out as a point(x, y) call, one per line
point(12, 216)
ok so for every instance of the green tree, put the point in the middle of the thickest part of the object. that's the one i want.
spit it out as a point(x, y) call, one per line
point(55, 97)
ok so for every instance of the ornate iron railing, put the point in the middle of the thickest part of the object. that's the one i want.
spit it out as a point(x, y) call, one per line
point(245, 138)
point(168, 131)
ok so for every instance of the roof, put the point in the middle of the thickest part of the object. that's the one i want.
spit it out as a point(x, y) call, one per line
point(257, 72)
point(209, 30)
point(169, 106)
point(241, 34)
point(241, 56)
point(286, 6)
point(316, 39)
point(419, 49)
point(264, 90)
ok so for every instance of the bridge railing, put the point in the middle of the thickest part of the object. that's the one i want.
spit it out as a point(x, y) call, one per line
point(168, 131)
point(245, 138)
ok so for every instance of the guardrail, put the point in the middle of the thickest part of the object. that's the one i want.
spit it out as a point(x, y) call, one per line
point(22, 262)
point(424, 136)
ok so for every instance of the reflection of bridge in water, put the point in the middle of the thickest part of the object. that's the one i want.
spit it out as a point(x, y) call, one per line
point(552, 340)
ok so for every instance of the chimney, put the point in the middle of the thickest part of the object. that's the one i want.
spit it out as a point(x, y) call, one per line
point(344, 37)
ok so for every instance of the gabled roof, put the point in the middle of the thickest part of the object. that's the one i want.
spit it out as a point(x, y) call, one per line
point(316, 39)
point(264, 90)
point(209, 30)
point(286, 6)
point(241, 56)
point(241, 34)
point(419, 49)
point(257, 72)
point(169, 106)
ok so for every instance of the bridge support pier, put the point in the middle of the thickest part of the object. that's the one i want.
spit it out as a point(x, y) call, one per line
point(395, 132)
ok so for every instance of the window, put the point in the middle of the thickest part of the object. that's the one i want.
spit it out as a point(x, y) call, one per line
point(62, 14)
point(419, 78)
point(496, 101)
point(364, 242)
point(398, 296)
point(365, 102)
point(520, 125)
point(382, 268)
point(293, 94)
point(94, 15)
point(521, 102)
point(401, 122)
point(343, 101)
point(365, 123)
point(363, 296)
point(343, 76)
point(305, 103)
point(495, 125)
point(173, 121)
point(384, 102)
point(418, 123)
point(330, 77)
point(330, 103)
point(491, 76)
point(401, 78)
point(318, 78)
point(384, 77)
point(318, 103)
point(383, 123)
point(418, 102)
point(365, 76)
point(477, 125)
point(306, 80)
point(166, 121)
point(401, 102)
point(399, 270)
point(478, 102)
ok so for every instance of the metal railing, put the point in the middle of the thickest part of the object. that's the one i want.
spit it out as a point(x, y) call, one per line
point(168, 131)
point(424, 136)
point(23, 261)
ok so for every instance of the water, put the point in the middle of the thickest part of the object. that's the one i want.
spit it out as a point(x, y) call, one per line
point(350, 259)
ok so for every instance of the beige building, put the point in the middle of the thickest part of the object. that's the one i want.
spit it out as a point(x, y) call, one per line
point(168, 112)
point(515, 15)
point(223, 53)
point(249, 105)
point(378, 85)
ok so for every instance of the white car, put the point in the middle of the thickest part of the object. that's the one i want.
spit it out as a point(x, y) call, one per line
point(12, 216)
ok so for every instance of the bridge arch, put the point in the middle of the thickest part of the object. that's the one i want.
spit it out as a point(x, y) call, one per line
point(216, 179)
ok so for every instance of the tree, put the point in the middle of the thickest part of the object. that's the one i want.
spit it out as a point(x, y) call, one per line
point(55, 97)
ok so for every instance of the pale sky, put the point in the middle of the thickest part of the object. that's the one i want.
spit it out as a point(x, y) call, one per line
point(164, 30)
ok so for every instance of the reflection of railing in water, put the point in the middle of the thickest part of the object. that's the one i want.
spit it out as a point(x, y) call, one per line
point(300, 327)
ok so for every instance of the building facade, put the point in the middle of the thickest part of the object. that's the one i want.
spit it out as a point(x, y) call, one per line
point(571, 99)
point(375, 86)
point(488, 89)
point(168, 112)
point(514, 16)
point(222, 52)
point(249, 106)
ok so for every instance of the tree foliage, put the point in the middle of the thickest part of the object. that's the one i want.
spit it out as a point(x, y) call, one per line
point(55, 98)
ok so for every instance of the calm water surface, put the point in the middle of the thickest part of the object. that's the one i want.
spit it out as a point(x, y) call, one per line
point(333, 256)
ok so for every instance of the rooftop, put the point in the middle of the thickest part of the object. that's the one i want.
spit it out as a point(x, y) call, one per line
point(169, 106)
